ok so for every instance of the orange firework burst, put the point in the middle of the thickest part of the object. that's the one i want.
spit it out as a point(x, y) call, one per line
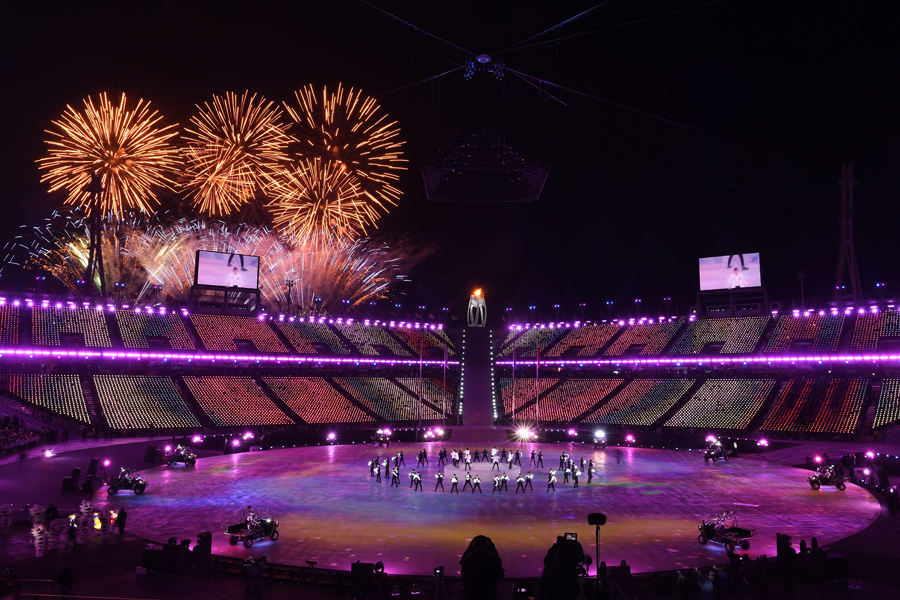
point(233, 146)
point(315, 199)
point(350, 129)
point(124, 146)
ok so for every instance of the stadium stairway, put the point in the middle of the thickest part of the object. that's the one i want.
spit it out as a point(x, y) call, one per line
point(477, 402)
point(95, 410)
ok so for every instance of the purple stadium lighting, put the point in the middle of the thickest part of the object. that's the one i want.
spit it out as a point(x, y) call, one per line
point(235, 442)
point(762, 442)
point(387, 432)
point(629, 438)
point(168, 448)
point(106, 463)
point(870, 454)
point(332, 436)
point(197, 439)
point(572, 432)
point(818, 459)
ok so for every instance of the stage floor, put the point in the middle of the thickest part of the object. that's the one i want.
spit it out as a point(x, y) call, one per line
point(332, 512)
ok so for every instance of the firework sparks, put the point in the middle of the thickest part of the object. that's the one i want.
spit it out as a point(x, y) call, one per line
point(126, 146)
point(318, 199)
point(348, 128)
point(234, 144)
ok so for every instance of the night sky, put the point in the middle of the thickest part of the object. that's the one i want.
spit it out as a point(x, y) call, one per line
point(791, 91)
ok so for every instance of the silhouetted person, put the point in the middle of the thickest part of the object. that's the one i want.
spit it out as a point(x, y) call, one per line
point(66, 580)
point(481, 569)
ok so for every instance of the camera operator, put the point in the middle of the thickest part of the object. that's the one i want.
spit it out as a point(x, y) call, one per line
point(563, 564)
point(482, 568)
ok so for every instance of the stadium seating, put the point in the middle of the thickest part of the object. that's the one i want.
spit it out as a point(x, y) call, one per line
point(219, 332)
point(137, 327)
point(433, 391)
point(384, 398)
point(871, 328)
point(312, 338)
point(569, 400)
point(641, 402)
point(817, 406)
point(822, 332)
point(524, 345)
point(434, 341)
point(588, 340)
point(138, 401)
point(723, 404)
point(61, 394)
point(49, 323)
point(888, 411)
point(9, 324)
point(652, 338)
point(371, 341)
point(737, 335)
point(514, 397)
point(315, 401)
point(235, 401)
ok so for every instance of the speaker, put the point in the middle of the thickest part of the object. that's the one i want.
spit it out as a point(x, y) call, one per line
point(76, 473)
point(596, 519)
point(68, 485)
point(92, 467)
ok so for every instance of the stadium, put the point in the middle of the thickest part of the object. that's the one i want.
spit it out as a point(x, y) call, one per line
point(309, 328)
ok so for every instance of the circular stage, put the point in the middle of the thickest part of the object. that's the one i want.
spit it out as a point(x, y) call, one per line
point(332, 512)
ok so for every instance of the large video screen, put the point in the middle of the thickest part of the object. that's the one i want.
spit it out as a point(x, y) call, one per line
point(730, 271)
point(227, 270)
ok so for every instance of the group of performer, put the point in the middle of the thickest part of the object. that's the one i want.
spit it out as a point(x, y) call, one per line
point(569, 469)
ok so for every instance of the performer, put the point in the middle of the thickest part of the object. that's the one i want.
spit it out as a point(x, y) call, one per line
point(484, 455)
point(468, 482)
point(520, 483)
point(590, 470)
point(402, 462)
point(496, 484)
point(421, 462)
point(504, 481)
point(425, 455)
point(412, 477)
point(551, 482)
point(510, 466)
point(493, 451)
point(533, 454)
point(454, 456)
point(495, 462)
point(468, 466)
point(566, 474)
point(582, 464)
point(440, 481)
point(476, 456)
point(377, 475)
point(396, 460)
point(528, 479)
point(417, 480)
point(372, 464)
point(562, 461)
point(442, 457)
point(575, 477)
point(518, 460)
point(503, 455)
point(454, 483)
point(387, 465)
point(395, 476)
point(467, 454)
point(540, 461)
point(477, 485)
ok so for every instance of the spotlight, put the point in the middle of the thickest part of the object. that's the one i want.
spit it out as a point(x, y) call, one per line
point(48, 452)
point(572, 432)
point(248, 435)
point(762, 442)
point(235, 442)
point(629, 438)
point(818, 459)
point(168, 448)
point(197, 439)
point(599, 434)
point(387, 432)
point(439, 431)
point(380, 431)
point(867, 472)
point(332, 436)
point(870, 454)
point(106, 463)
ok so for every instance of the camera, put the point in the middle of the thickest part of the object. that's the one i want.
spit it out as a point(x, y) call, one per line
point(573, 537)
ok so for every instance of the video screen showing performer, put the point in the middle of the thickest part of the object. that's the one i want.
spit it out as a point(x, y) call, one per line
point(731, 271)
point(227, 269)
